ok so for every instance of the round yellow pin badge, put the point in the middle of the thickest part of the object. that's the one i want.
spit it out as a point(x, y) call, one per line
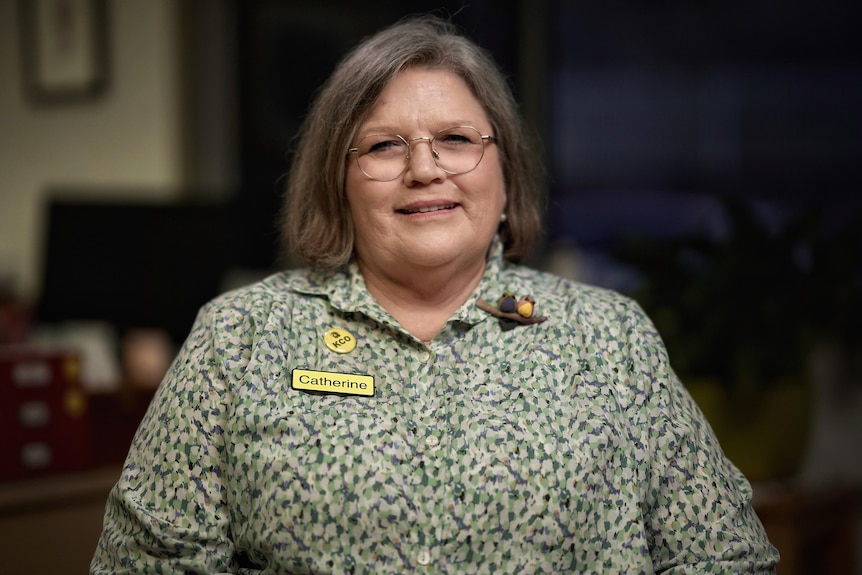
point(340, 340)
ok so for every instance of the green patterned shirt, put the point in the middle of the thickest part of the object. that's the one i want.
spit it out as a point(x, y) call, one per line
point(567, 446)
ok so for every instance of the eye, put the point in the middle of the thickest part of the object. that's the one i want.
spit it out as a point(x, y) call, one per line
point(457, 138)
point(382, 145)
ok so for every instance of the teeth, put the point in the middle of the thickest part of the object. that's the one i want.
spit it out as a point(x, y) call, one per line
point(430, 209)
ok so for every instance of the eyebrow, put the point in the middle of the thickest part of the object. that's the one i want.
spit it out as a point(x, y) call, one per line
point(386, 129)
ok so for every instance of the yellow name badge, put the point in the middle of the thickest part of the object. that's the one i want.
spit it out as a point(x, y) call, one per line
point(332, 382)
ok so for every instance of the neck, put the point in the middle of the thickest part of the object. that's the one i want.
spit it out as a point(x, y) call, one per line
point(422, 300)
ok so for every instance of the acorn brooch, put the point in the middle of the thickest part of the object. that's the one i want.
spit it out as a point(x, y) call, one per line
point(512, 310)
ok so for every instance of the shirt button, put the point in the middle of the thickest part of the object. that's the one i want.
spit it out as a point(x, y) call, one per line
point(423, 558)
point(432, 441)
point(425, 356)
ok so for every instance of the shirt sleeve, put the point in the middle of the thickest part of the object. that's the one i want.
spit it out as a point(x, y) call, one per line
point(168, 511)
point(697, 507)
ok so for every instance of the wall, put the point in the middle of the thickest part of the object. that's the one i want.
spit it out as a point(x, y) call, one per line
point(127, 139)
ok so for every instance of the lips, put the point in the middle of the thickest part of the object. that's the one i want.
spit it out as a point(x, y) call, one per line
point(426, 209)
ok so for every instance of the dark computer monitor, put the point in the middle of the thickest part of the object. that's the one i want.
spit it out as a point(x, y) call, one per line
point(134, 264)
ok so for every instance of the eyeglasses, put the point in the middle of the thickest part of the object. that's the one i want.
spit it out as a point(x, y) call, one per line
point(384, 157)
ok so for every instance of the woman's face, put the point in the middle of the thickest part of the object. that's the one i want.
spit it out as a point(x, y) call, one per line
point(426, 217)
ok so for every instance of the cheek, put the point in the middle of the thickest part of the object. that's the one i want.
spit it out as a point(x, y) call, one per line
point(368, 206)
point(497, 178)
point(357, 194)
point(498, 183)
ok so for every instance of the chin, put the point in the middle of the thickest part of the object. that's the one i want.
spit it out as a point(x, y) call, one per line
point(444, 253)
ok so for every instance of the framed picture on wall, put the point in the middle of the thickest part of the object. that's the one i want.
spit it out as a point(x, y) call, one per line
point(63, 49)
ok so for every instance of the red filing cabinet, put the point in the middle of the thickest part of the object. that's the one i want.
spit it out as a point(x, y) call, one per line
point(44, 413)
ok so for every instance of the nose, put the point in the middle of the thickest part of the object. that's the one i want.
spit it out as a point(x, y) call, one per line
point(422, 165)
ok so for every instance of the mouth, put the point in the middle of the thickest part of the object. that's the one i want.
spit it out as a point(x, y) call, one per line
point(426, 209)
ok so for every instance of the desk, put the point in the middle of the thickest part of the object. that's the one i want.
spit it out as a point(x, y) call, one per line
point(813, 529)
point(51, 525)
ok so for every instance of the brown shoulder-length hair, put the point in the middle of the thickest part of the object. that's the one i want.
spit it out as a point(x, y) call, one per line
point(315, 222)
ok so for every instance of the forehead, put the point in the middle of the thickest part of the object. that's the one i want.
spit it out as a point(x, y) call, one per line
point(424, 98)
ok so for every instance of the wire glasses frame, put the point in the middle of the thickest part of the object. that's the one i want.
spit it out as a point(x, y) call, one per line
point(385, 157)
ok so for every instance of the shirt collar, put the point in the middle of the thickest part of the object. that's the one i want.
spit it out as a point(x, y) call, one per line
point(346, 290)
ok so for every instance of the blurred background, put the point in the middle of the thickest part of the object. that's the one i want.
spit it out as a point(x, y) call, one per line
point(703, 157)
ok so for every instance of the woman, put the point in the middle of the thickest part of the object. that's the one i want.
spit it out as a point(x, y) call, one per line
point(413, 400)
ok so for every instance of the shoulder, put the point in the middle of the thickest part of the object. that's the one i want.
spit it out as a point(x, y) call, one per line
point(254, 316)
point(279, 287)
point(571, 300)
point(251, 307)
